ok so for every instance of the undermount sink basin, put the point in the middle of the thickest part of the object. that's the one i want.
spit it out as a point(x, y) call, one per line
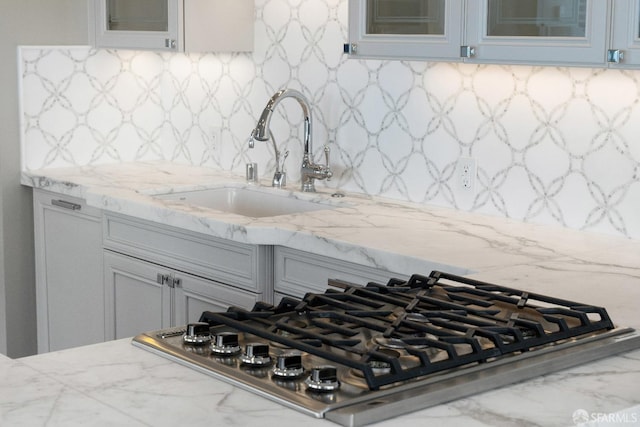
point(250, 202)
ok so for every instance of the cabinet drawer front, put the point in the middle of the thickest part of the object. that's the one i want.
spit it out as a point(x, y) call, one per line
point(196, 295)
point(297, 272)
point(229, 262)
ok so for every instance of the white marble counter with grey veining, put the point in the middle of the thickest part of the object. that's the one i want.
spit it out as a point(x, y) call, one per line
point(117, 384)
point(382, 233)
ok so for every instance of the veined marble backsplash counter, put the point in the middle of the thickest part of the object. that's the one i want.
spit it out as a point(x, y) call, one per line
point(116, 383)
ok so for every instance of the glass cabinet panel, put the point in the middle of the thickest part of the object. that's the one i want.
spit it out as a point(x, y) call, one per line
point(405, 29)
point(137, 15)
point(405, 17)
point(550, 32)
point(541, 18)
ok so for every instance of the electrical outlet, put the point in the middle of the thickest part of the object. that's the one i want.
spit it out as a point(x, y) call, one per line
point(215, 133)
point(466, 174)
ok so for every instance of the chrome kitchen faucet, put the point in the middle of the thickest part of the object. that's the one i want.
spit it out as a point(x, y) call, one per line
point(309, 171)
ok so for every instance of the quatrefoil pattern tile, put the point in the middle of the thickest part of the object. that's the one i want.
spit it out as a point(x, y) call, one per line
point(552, 145)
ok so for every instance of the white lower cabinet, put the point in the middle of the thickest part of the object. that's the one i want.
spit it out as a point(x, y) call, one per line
point(142, 296)
point(103, 276)
point(298, 272)
point(68, 255)
point(157, 276)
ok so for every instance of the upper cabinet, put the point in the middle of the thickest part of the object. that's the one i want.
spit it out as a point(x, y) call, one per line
point(407, 29)
point(624, 50)
point(546, 32)
point(173, 25)
point(567, 32)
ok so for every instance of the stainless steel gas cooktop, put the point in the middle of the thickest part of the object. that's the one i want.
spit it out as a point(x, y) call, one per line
point(360, 354)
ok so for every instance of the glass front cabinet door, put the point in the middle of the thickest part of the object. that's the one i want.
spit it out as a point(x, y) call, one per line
point(563, 32)
point(405, 29)
point(174, 25)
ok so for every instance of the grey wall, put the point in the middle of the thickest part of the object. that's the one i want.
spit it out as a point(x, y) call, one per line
point(23, 22)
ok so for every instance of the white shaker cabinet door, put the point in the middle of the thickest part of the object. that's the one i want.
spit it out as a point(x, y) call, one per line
point(137, 299)
point(68, 254)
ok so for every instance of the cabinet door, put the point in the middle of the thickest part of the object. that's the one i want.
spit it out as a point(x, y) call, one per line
point(68, 254)
point(193, 295)
point(137, 24)
point(625, 43)
point(136, 299)
point(405, 29)
point(564, 32)
point(174, 25)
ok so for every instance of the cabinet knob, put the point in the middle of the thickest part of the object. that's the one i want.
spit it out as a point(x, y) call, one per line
point(350, 48)
point(467, 51)
point(615, 56)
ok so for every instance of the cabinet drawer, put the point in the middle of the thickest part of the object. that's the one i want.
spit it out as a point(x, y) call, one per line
point(297, 272)
point(236, 264)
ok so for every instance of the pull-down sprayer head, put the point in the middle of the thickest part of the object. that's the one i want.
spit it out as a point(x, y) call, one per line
point(309, 171)
point(261, 131)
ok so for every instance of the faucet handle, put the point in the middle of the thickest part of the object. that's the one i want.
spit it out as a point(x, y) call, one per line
point(327, 170)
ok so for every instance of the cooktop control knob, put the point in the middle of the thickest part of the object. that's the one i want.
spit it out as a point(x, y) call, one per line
point(323, 379)
point(289, 365)
point(225, 344)
point(197, 333)
point(256, 354)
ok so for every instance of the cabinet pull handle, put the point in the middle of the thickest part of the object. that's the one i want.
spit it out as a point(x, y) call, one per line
point(66, 205)
point(169, 279)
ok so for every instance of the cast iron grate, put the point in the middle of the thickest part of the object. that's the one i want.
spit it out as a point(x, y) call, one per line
point(413, 328)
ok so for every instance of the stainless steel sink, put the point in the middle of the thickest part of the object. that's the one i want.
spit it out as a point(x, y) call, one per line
point(250, 202)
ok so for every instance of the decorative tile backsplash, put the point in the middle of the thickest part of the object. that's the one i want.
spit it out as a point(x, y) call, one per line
point(552, 145)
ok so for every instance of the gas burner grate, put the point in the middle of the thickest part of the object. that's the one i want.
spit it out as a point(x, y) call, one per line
point(423, 326)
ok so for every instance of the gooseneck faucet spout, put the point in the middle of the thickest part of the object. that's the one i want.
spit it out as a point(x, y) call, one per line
point(309, 170)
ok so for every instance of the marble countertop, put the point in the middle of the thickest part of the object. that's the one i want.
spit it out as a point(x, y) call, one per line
point(382, 233)
point(115, 383)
